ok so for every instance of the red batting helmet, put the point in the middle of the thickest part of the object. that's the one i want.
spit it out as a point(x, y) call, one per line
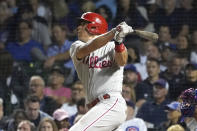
point(97, 25)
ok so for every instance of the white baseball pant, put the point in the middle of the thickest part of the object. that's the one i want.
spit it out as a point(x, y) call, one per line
point(107, 115)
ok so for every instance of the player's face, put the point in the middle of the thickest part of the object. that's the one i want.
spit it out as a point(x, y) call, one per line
point(81, 31)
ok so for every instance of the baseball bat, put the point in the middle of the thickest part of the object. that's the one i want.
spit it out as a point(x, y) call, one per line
point(147, 35)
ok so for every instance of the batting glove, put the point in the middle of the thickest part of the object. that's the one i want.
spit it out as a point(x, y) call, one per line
point(121, 31)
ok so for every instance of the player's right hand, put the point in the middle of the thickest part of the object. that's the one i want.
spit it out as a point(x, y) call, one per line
point(121, 31)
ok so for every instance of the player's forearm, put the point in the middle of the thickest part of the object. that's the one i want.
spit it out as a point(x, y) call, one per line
point(95, 44)
point(121, 58)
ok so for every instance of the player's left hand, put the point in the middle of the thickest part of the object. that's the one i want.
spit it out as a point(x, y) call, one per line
point(124, 29)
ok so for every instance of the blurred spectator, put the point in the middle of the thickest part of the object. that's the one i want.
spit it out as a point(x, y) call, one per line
point(193, 16)
point(168, 51)
point(13, 81)
point(175, 127)
point(193, 47)
point(59, 51)
point(192, 121)
point(88, 6)
point(70, 20)
point(128, 94)
point(18, 116)
point(127, 11)
point(183, 46)
point(131, 75)
point(111, 4)
point(12, 4)
point(153, 52)
point(4, 15)
point(47, 124)
point(56, 88)
point(61, 119)
point(186, 16)
point(41, 10)
point(152, 111)
point(3, 119)
point(191, 77)
point(143, 56)
point(26, 126)
point(40, 32)
point(169, 15)
point(173, 115)
point(133, 55)
point(59, 9)
point(36, 87)
point(164, 36)
point(174, 76)
point(32, 109)
point(105, 11)
point(78, 92)
point(81, 110)
point(22, 50)
point(146, 9)
point(144, 89)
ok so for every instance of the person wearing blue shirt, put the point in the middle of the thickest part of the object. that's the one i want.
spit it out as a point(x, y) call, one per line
point(59, 50)
point(21, 50)
point(153, 111)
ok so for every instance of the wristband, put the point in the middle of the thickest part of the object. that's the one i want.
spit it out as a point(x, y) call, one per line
point(119, 48)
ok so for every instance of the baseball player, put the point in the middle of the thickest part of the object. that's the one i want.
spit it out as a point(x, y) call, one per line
point(99, 64)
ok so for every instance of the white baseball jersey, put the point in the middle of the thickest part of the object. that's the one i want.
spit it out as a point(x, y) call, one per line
point(98, 72)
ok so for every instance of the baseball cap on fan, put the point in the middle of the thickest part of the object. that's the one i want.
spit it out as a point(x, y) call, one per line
point(162, 83)
point(60, 114)
point(192, 66)
point(58, 69)
point(175, 105)
point(130, 67)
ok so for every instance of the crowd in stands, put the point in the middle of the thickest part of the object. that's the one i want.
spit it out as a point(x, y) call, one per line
point(40, 90)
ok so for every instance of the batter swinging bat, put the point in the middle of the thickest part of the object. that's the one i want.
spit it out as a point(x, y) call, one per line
point(147, 35)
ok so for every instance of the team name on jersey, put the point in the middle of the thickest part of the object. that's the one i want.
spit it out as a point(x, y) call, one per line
point(96, 62)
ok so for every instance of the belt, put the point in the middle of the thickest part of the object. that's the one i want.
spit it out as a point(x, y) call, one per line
point(97, 100)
